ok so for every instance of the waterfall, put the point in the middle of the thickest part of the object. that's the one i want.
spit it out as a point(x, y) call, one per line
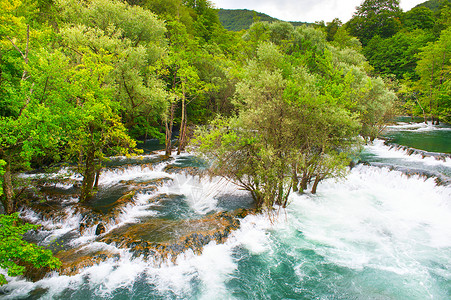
point(378, 234)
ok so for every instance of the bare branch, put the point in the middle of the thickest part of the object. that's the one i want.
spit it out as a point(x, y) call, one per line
point(15, 46)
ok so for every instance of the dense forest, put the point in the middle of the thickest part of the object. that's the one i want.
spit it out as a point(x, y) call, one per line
point(286, 106)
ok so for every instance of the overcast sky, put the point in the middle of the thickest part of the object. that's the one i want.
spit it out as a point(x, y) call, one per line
point(304, 10)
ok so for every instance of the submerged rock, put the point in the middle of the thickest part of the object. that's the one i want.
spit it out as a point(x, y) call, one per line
point(166, 239)
point(100, 229)
point(75, 260)
point(153, 239)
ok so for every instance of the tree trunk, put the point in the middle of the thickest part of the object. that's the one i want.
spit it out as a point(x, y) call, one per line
point(96, 184)
point(258, 200)
point(8, 191)
point(280, 198)
point(424, 113)
point(430, 93)
point(182, 140)
point(286, 197)
point(294, 179)
point(304, 181)
point(442, 71)
point(315, 184)
point(88, 176)
point(169, 125)
point(182, 124)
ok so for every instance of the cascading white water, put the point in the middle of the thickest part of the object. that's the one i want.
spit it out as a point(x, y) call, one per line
point(378, 234)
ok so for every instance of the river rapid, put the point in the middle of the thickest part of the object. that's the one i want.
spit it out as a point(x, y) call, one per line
point(381, 233)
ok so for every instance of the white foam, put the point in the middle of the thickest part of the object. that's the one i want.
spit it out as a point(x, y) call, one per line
point(253, 234)
point(137, 157)
point(58, 226)
point(111, 177)
point(376, 218)
point(420, 127)
point(201, 193)
point(132, 212)
point(383, 151)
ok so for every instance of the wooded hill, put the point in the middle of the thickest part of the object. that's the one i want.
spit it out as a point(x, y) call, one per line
point(434, 5)
point(239, 19)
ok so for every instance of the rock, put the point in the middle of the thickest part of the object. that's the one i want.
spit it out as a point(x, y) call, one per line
point(100, 229)
point(82, 228)
point(75, 260)
point(166, 239)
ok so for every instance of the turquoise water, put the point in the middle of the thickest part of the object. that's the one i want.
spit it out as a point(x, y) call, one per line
point(422, 136)
point(378, 234)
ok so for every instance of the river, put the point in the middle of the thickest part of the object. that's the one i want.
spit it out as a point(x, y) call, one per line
point(378, 234)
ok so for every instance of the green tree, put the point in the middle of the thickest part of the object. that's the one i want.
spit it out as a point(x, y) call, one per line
point(285, 126)
point(82, 88)
point(375, 17)
point(205, 18)
point(183, 81)
point(26, 124)
point(342, 40)
point(15, 253)
point(398, 54)
point(419, 18)
point(434, 69)
point(332, 28)
point(136, 38)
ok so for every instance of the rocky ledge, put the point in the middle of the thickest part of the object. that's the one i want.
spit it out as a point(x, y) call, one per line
point(159, 239)
point(155, 241)
point(412, 151)
point(440, 180)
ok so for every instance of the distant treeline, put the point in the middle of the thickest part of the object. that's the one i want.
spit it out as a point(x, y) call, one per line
point(239, 19)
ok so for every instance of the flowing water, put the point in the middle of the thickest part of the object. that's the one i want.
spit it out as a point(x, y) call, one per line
point(378, 234)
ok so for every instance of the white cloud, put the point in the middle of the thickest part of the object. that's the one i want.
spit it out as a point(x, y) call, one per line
point(304, 10)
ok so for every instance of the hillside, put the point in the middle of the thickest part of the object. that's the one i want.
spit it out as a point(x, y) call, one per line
point(239, 19)
point(433, 4)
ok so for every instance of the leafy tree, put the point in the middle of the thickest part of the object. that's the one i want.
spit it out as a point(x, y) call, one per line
point(26, 124)
point(419, 18)
point(136, 38)
point(258, 32)
point(91, 122)
point(205, 19)
point(342, 40)
point(398, 54)
point(99, 129)
point(332, 28)
point(183, 81)
point(15, 253)
point(285, 127)
point(375, 17)
point(434, 69)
